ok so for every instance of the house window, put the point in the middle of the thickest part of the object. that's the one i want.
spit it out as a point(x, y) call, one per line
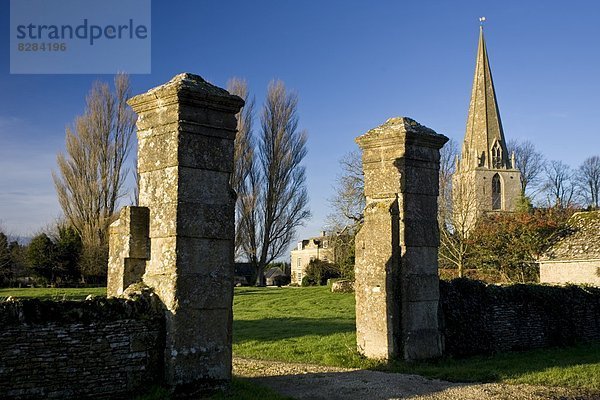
point(325, 244)
point(299, 262)
point(496, 193)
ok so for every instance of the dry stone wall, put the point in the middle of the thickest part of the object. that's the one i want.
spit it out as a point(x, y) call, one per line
point(101, 349)
point(477, 318)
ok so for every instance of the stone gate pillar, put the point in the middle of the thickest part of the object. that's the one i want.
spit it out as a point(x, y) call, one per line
point(186, 130)
point(397, 285)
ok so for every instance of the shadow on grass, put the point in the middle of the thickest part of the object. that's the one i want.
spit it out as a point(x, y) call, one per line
point(269, 329)
point(249, 290)
point(575, 367)
point(240, 389)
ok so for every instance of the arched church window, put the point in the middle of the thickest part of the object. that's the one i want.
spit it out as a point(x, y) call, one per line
point(496, 193)
point(496, 155)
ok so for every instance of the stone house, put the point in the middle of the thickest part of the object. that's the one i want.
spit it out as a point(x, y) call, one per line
point(316, 248)
point(575, 258)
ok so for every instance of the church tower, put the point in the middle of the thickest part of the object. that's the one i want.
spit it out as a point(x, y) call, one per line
point(486, 177)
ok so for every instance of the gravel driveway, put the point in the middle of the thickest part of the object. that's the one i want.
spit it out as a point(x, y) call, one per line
point(305, 381)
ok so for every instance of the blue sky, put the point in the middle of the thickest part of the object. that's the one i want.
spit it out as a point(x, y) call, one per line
point(353, 64)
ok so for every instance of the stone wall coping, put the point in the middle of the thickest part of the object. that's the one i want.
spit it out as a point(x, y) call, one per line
point(96, 309)
point(567, 261)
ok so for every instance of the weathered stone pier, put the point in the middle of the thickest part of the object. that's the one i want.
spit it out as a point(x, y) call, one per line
point(397, 286)
point(180, 240)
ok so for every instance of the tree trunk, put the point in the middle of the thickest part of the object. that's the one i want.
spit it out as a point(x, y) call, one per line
point(260, 275)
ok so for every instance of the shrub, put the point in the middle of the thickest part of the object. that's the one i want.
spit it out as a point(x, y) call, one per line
point(281, 280)
point(306, 281)
point(508, 244)
point(318, 272)
point(347, 268)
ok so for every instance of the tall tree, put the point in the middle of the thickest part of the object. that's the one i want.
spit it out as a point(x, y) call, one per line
point(91, 174)
point(276, 202)
point(41, 257)
point(5, 259)
point(559, 184)
point(588, 181)
point(529, 162)
point(241, 181)
point(68, 249)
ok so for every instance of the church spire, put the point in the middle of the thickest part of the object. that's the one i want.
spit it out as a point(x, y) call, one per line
point(484, 144)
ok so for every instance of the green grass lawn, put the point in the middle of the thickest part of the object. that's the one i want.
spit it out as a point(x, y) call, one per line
point(52, 293)
point(309, 325)
point(315, 326)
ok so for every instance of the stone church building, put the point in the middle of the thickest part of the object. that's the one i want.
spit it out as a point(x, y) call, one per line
point(486, 178)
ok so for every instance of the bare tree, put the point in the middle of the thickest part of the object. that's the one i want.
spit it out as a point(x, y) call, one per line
point(348, 201)
point(134, 197)
point(448, 155)
point(559, 184)
point(347, 207)
point(453, 211)
point(456, 224)
point(530, 164)
point(588, 180)
point(91, 174)
point(276, 202)
point(241, 181)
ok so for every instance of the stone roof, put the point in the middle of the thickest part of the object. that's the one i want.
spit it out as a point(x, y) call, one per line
point(580, 242)
point(273, 272)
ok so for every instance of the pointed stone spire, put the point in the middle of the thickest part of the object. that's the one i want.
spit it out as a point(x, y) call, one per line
point(484, 144)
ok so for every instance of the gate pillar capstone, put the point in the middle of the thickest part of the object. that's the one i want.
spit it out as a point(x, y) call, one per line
point(186, 130)
point(396, 272)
